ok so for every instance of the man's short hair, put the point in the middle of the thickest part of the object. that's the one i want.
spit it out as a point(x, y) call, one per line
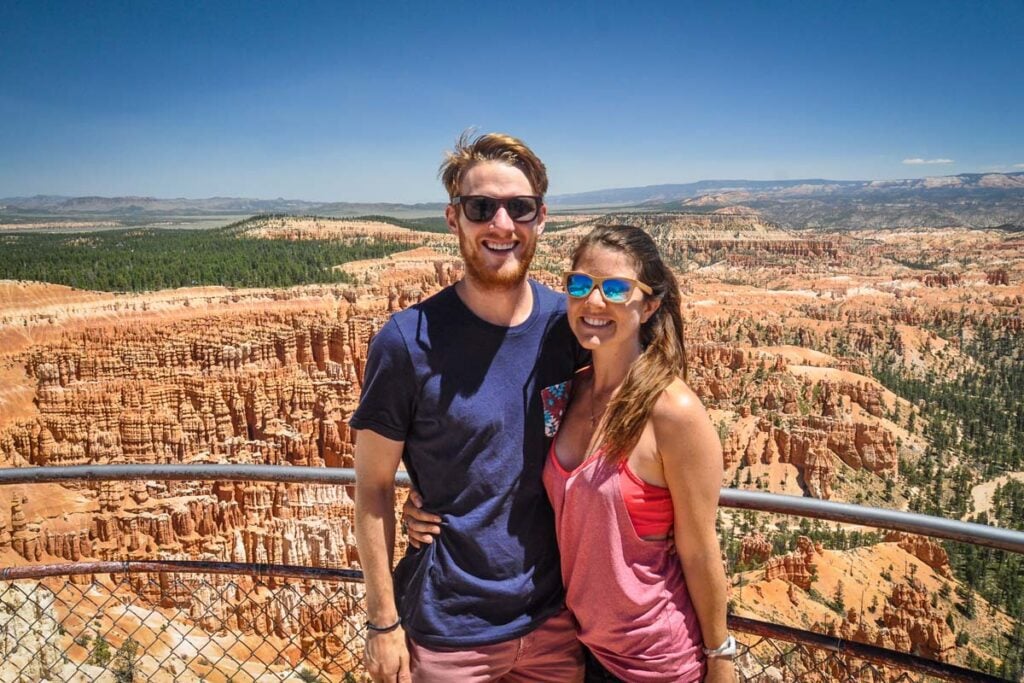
point(491, 147)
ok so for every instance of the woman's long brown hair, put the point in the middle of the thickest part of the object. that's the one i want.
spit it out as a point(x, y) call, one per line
point(664, 352)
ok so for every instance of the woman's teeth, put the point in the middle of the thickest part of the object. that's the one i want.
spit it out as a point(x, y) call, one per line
point(596, 322)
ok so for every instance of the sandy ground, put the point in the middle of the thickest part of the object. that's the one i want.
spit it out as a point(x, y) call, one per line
point(797, 355)
point(817, 374)
point(981, 495)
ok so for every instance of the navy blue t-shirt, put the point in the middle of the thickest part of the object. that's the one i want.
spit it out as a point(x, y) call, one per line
point(465, 397)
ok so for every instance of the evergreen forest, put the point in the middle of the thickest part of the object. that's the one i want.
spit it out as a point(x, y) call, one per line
point(146, 259)
point(974, 424)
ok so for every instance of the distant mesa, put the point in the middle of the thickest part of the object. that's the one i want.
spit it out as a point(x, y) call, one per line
point(656, 194)
point(213, 206)
point(973, 200)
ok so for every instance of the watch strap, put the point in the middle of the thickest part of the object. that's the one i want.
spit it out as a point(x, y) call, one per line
point(725, 650)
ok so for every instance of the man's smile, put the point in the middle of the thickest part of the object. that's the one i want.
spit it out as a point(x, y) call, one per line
point(500, 246)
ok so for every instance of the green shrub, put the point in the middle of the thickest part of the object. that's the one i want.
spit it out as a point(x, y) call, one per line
point(101, 653)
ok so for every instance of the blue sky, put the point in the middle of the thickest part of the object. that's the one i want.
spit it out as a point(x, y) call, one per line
point(327, 101)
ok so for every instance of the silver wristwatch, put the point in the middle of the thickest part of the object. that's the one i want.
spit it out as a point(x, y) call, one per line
point(726, 650)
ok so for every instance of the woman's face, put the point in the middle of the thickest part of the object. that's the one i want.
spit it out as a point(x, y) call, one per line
point(598, 323)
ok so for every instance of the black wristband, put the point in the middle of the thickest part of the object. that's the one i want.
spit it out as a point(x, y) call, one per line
point(383, 629)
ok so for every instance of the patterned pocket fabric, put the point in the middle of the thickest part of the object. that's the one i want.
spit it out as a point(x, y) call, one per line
point(556, 399)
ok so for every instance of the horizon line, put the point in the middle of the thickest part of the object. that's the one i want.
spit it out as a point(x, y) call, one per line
point(552, 196)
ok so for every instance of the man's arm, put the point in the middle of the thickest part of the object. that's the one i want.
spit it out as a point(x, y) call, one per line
point(377, 458)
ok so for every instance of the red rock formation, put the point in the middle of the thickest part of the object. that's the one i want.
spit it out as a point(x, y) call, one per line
point(91, 412)
point(923, 548)
point(810, 444)
point(909, 611)
point(998, 277)
point(5, 536)
point(908, 623)
point(941, 279)
point(755, 548)
point(796, 567)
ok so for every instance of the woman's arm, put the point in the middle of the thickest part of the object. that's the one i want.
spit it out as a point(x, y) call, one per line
point(691, 457)
point(420, 526)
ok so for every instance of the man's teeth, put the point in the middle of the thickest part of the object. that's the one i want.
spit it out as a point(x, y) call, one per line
point(500, 247)
point(596, 322)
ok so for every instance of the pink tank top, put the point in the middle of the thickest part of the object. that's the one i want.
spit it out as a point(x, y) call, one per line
point(627, 594)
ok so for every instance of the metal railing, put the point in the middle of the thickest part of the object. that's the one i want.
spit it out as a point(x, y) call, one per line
point(937, 527)
point(201, 620)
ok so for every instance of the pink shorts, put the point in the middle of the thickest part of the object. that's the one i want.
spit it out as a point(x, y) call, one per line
point(548, 653)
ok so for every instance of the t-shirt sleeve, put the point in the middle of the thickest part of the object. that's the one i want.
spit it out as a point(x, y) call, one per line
point(389, 385)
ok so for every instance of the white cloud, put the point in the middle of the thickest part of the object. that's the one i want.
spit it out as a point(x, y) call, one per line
point(917, 162)
point(1018, 165)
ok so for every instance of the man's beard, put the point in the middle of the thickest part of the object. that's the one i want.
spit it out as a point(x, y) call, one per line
point(488, 278)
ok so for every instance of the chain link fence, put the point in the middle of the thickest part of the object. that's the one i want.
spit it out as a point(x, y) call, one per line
point(220, 621)
point(180, 627)
point(219, 627)
point(763, 660)
point(770, 653)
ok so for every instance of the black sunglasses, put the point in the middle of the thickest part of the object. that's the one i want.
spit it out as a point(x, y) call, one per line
point(481, 209)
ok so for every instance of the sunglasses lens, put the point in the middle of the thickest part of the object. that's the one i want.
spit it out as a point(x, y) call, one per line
point(522, 208)
point(479, 209)
point(616, 290)
point(578, 285)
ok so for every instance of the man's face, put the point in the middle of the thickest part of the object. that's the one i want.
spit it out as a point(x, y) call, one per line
point(497, 252)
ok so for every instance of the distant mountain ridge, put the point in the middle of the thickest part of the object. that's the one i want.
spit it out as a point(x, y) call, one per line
point(654, 194)
point(180, 206)
point(973, 200)
point(978, 200)
point(675, 191)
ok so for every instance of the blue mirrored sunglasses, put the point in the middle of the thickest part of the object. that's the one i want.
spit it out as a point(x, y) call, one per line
point(615, 290)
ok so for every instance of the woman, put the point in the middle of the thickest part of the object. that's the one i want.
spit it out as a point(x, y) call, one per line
point(633, 475)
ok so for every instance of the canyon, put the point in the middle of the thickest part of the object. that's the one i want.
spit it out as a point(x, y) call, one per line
point(783, 330)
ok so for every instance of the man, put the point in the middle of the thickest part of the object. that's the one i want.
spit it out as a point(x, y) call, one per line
point(453, 389)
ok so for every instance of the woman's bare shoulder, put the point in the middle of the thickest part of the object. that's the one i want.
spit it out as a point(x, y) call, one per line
point(682, 427)
point(678, 404)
